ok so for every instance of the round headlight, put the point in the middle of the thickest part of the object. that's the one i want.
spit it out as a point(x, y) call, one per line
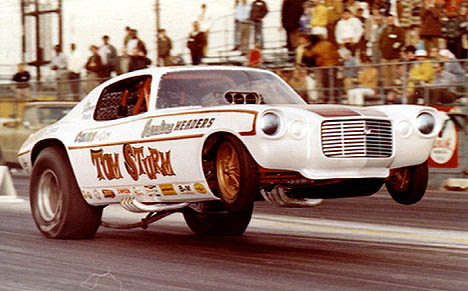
point(270, 123)
point(425, 122)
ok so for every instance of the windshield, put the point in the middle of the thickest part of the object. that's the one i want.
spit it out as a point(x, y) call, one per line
point(208, 88)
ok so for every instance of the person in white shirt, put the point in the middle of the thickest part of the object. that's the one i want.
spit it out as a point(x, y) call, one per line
point(348, 31)
point(242, 15)
point(75, 65)
point(58, 63)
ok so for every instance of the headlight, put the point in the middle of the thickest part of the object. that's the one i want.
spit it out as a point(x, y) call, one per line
point(425, 122)
point(270, 123)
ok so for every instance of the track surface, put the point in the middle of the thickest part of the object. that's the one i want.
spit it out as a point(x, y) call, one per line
point(346, 244)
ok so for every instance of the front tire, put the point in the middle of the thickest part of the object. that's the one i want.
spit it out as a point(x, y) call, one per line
point(228, 224)
point(236, 174)
point(408, 185)
point(57, 206)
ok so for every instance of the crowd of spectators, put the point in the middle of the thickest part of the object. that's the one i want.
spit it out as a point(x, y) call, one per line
point(358, 39)
point(357, 49)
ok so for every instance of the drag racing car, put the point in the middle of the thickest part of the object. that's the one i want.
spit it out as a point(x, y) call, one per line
point(209, 142)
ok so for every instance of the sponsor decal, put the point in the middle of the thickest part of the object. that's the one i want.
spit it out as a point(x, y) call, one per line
point(86, 194)
point(167, 128)
point(152, 130)
point(199, 188)
point(137, 162)
point(124, 191)
point(152, 190)
point(138, 192)
point(108, 193)
point(97, 195)
point(194, 123)
point(167, 189)
point(91, 136)
point(185, 189)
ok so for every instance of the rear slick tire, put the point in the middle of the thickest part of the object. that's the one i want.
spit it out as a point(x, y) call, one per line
point(58, 208)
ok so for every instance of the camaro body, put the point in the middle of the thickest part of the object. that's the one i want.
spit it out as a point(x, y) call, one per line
point(157, 155)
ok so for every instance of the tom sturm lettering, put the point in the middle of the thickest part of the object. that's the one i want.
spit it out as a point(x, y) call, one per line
point(137, 162)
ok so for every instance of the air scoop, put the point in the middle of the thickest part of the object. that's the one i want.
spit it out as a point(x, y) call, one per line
point(242, 97)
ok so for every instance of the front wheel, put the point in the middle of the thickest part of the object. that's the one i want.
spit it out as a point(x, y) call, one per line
point(229, 224)
point(236, 174)
point(57, 206)
point(408, 185)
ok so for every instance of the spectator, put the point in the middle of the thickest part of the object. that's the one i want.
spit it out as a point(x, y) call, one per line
point(372, 29)
point(21, 78)
point(304, 43)
point(421, 73)
point(108, 55)
point(335, 10)
point(452, 7)
point(390, 43)
point(349, 30)
point(258, 11)
point(410, 19)
point(75, 66)
point(135, 42)
point(164, 48)
point(349, 71)
point(128, 35)
point(255, 57)
point(453, 30)
point(196, 43)
point(325, 54)
point(305, 21)
point(452, 66)
point(123, 62)
point(299, 83)
point(242, 15)
point(367, 83)
point(138, 60)
point(353, 6)
point(94, 69)
point(444, 86)
point(431, 24)
point(291, 12)
point(236, 29)
point(319, 18)
point(205, 21)
point(59, 65)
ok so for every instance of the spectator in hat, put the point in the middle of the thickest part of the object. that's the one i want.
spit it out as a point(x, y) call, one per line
point(451, 65)
point(420, 74)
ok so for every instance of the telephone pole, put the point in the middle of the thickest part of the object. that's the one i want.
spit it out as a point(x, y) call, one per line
point(158, 26)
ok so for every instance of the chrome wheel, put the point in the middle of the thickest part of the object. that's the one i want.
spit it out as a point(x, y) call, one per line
point(228, 171)
point(48, 196)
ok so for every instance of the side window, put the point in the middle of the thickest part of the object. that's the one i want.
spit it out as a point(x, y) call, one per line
point(124, 98)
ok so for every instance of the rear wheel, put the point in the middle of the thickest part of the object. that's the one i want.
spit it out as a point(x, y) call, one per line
point(407, 185)
point(57, 206)
point(236, 174)
point(230, 223)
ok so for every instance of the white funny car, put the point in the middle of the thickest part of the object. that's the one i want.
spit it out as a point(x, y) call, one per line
point(209, 142)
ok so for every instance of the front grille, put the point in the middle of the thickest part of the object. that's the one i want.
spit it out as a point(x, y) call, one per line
point(357, 138)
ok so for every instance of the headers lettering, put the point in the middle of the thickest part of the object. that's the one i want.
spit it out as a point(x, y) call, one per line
point(137, 162)
point(167, 128)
